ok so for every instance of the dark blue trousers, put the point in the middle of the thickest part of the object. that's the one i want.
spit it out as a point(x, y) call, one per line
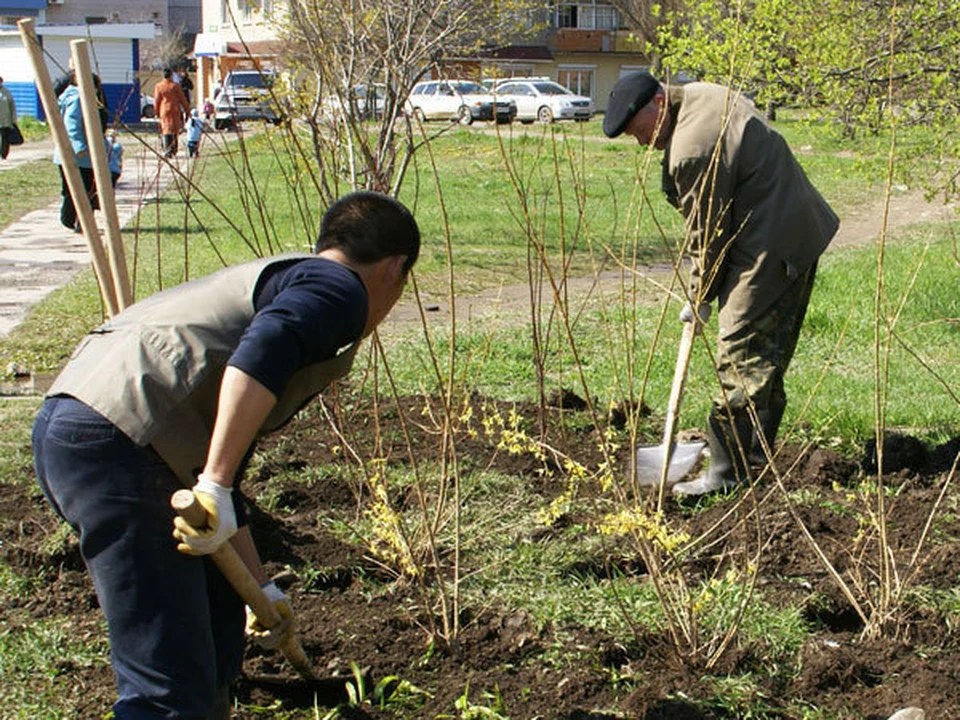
point(176, 626)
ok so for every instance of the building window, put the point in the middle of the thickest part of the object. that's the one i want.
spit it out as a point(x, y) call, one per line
point(605, 17)
point(586, 16)
point(245, 8)
point(224, 12)
point(577, 79)
point(566, 16)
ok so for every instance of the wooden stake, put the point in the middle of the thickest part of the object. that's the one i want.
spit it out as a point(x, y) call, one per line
point(101, 171)
point(68, 164)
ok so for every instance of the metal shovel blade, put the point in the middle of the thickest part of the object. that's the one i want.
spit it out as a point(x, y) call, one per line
point(648, 466)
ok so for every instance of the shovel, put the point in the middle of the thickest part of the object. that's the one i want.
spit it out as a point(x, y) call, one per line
point(665, 464)
point(329, 690)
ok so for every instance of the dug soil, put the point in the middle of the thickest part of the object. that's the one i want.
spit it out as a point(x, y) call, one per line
point(350, 609)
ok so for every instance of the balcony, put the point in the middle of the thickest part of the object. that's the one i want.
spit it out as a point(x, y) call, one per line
point(594, 41)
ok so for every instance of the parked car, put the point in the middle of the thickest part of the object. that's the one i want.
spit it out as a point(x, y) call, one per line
point(460, 100)
point(245, 95)
point(360, 104)
point(146, 107)
point(543, 100)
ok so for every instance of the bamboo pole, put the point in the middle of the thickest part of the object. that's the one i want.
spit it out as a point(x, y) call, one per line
point(68, 164)
point(101, 171)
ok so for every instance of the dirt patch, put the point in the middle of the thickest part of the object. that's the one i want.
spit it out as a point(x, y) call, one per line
point(350, 609)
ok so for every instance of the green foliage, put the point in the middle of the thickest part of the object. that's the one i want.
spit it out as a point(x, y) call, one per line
point(865, 65)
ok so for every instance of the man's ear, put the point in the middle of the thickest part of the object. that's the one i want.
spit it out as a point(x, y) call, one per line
point(395, 267)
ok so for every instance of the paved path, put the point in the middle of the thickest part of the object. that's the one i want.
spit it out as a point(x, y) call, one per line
point(38, 254)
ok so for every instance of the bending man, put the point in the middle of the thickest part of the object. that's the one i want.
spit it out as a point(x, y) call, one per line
point(756, 228)
point(176, 389)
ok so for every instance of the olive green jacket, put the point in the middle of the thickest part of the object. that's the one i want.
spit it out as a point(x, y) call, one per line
point(754, 222)
point(8, 108)
point(154, 370)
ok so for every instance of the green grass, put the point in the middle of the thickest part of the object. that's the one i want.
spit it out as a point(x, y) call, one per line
point(30, 186)
point(27, 187)
point(16, 422)
point(831, 379)
point(40, 659)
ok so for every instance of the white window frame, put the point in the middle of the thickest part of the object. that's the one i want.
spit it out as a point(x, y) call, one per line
point(587, 13)
point(578, 89)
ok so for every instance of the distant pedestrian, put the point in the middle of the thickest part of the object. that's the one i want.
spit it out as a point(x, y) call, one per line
point(114, 157)
point(72, 114)
point(195, 128)
point(8, 119)
point(186, 84)
point(207, 110)
point(68, 79)
point(171, 107)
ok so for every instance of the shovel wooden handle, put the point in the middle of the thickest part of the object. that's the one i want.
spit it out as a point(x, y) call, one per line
point(687, 336)
point(679, 381)
point(238, 575)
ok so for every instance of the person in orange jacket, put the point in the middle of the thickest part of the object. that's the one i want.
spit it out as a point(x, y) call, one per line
point(171, 106)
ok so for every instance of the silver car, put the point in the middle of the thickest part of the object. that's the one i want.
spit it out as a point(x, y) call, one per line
point(544, 100)
point(245, 95)
point(460, 100)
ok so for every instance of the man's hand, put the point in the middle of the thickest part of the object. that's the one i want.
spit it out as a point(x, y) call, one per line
point(272, 638)
point(221, 520)
point(703, 313)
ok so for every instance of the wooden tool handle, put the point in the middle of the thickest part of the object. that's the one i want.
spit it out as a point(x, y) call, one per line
point(184, 502)
point(687, 336)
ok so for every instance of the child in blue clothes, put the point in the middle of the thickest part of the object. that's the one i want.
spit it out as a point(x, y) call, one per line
point(195, 128)
point(114, 157)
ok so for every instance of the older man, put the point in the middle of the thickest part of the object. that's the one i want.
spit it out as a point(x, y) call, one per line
point(756, 227)
point(171, 107)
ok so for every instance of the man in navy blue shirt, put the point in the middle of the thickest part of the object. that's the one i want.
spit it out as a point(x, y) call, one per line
point(176, 389)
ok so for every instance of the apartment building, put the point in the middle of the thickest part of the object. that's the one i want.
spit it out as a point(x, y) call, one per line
point(236, 35)
point(586, 46)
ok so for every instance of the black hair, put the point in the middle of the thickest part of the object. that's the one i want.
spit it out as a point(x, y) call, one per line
point(370, 226)
point(167, 72)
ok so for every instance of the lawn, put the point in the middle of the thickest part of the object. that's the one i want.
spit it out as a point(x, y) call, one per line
point(457, 518)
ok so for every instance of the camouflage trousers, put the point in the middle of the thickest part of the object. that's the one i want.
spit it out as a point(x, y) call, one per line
point(751, 365)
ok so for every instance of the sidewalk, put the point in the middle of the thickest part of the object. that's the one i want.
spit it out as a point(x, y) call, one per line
point(38, 254)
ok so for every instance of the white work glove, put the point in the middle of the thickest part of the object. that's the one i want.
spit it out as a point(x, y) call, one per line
point(221, 519)
point(271, 638)
point(703, 312)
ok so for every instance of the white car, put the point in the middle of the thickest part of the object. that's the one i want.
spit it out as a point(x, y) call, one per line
point(544, 100)
point(359, 106)
point(460, 100)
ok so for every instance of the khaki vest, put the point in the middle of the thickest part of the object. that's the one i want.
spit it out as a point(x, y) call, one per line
point(155, 369)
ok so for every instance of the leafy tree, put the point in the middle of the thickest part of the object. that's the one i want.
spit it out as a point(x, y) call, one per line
point(859, 63)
